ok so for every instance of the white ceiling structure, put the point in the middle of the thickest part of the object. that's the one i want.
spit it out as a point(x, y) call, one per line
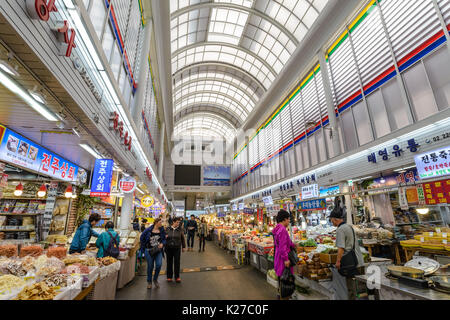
point(227, 53)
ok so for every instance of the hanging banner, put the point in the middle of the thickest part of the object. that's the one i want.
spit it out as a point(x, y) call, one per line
point(52, 192)
point(311, 191)
point(127, 184)
point(434, 163)
point(101, 178)
point(22, 152)
point(437, 192)
point(318, 204)
point(420, 194)
point(411, 195)
point(403, 202)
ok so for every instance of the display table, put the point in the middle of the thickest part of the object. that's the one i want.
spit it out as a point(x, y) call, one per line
point(410, 251)
point(259, 248)
point(83, 294)
point(394, 246)
point(323, 287)
point(126, 272)
point(395, 290)
point(105, 289)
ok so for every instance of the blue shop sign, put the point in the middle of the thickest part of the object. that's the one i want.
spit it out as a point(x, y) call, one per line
point(23, 152)
point(101, 178)
point(318, 204)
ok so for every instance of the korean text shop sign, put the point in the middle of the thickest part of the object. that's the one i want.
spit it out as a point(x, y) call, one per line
point(101, 178)
point(434, 163)
point(24, 153)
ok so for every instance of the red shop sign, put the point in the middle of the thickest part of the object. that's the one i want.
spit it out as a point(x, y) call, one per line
point(127, 184)
point(117, 126)
point(148, 173)
point(40, 10)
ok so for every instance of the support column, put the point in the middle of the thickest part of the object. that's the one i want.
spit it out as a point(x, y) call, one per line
point(330, 104)
point(125, 214)
point(143, 70)
point(161, 153)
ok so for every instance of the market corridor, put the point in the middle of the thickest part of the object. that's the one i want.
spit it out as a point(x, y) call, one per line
point(242, 283)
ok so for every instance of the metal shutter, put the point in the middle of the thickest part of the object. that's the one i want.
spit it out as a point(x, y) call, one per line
point(343, 72)
point(444, 5)
point(409, 24)
point(310, 101)
point(321, 95)
point(371, 46)
point(297, 115)
point(286, 126)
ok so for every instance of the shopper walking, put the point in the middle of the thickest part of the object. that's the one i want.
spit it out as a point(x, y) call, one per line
point(192, 228)
point(136, 224)
point(83, 234)
point(346, 241)
point(202, 232)
point(175, 243)
point(143, 225)
point(153, 240)
point(106, 240)
point(282, 246)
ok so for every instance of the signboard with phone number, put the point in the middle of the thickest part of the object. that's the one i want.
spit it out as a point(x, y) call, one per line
point(23, 152)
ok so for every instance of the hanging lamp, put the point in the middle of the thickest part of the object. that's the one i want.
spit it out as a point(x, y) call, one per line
point(69, 191)
point(19, 190)
point(42, 191)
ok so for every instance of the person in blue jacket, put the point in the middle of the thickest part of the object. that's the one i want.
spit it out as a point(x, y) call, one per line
point(84, 234)
point(103, 240)
point(153, 240)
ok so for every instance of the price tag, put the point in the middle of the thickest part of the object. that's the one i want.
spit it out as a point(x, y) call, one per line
point(438, 230)
point(422, 239)
point(444, 241)
point(431, 234)
point(444, 235)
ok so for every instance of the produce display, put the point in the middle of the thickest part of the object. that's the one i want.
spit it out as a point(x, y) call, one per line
point(31, 250)
point(10, 282)
point(271, 273)
point(314, 269)
point(37, 291)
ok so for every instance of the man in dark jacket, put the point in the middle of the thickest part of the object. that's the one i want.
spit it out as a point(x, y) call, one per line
point(191, 230)
point(175, 243)
point(83, 235)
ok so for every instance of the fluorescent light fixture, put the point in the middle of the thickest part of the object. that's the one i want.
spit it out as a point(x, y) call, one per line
point(422, 210)
point(110, 86)
point(37, 96)
point(75, 131)
point(140, 190)
point(90, 150)
point(404, 169)
point(364, 178)
point(69, 4)
point(81, 30)
point(8, 69)
point(15, 88)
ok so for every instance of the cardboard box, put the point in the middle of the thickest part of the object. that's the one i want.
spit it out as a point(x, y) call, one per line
point(328, 258)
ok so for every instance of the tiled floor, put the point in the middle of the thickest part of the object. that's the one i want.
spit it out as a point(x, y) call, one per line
point(199, 283)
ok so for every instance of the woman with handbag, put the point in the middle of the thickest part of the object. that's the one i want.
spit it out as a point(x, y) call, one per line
point(282, 247)
point(153, 240)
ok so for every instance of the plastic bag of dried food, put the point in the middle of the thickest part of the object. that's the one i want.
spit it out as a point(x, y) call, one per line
point(40, 262)
point(34, 250)
point(28, 263)
point(56, 251)
point(8, 250)
point(14, 267)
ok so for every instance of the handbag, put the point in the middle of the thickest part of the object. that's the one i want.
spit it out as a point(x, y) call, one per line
point(154, 250)
point(293, 257)
point(287, 283)
point(349, 261)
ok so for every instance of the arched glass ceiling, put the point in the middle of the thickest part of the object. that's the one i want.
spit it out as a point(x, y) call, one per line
point(248, 41)
point(218, 109)
point(215, 99)
point(201, 122)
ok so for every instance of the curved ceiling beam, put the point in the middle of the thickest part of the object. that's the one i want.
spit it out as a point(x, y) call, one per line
point(177, 102)
point(229, 45)
point(221, 64)
point(188, 83)
point(206, 115)
point(209, 107)
point(179, 12)
point(214, 132)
